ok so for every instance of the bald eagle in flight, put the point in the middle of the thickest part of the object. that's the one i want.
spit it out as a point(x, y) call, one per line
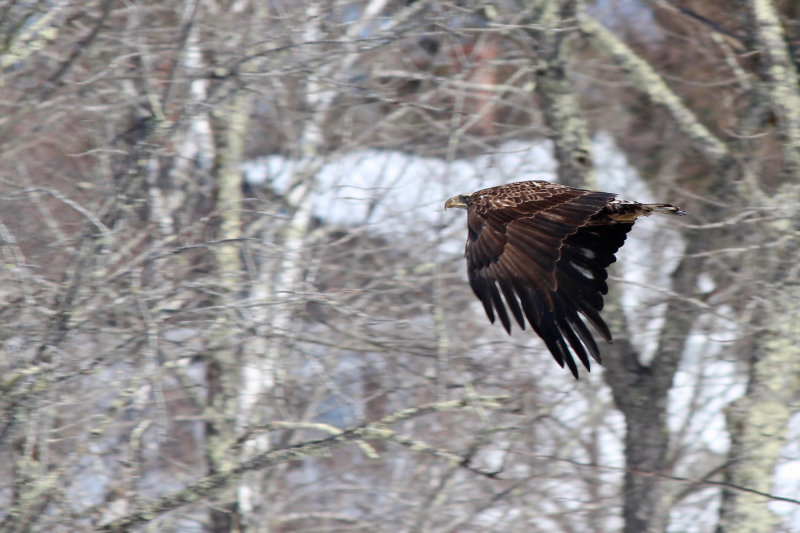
point(545, 248)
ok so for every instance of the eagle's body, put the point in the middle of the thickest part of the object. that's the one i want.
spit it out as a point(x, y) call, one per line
point(545, 248)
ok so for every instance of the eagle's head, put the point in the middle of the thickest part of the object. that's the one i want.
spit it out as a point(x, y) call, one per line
point(459, 201)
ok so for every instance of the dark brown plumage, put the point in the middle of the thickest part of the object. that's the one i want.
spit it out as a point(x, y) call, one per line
point(540, 250)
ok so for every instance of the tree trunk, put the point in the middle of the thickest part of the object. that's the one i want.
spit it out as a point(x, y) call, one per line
point(557, 98)
point(757, 422)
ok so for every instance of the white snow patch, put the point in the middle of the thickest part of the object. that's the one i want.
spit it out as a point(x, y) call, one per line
point(384, 189)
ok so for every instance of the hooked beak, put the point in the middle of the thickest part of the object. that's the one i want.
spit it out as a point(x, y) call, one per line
point(455, 201)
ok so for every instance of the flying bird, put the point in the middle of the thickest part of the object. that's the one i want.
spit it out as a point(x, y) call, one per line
point(540, 250)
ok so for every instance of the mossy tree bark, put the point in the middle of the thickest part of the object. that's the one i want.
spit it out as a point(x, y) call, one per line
point(757, 422)
point(555, 89)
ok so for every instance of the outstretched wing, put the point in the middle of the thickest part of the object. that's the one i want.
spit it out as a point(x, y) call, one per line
point(530, 252)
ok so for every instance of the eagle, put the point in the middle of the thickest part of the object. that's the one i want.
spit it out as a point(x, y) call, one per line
point(539, 251)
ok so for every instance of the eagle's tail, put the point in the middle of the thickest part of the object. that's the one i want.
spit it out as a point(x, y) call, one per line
point(667, 209)
point(626, 211)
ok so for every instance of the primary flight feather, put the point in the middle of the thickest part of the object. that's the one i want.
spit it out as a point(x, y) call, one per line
point(539, 251)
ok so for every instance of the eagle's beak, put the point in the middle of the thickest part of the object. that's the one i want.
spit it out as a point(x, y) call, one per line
point(455, 201)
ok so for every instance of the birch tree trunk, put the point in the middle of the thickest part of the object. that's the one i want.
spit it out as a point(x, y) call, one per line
point(757, 422)
point(223, 374)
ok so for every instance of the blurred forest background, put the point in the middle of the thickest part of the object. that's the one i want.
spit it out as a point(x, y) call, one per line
point(230, 299)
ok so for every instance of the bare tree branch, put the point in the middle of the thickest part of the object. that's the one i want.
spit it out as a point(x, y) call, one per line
point(373, 431)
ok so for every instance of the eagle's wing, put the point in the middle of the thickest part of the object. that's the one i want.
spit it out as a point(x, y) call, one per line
point(530, 242)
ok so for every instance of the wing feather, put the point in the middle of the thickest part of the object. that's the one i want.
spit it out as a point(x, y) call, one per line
point(581, 272)
point(533, 277)
point(497, 302)
point(507, 286)
point(480, 288)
